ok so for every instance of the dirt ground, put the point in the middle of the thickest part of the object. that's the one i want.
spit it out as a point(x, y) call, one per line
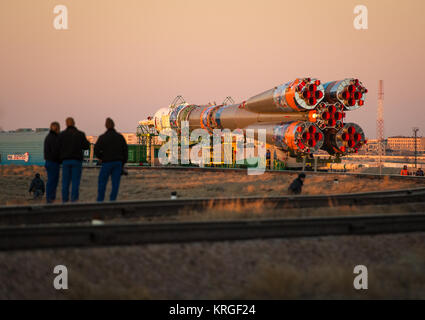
point(305, 268)
point(158, 184)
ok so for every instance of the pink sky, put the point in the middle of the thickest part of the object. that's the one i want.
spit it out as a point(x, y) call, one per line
point(127, 58)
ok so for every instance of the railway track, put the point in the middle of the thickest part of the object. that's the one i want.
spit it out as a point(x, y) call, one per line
point(308, 172)
point(39, 237)
point(81, 212)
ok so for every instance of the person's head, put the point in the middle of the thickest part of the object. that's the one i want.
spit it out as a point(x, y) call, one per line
point(405, 167)
point(55, 126)
point(37, 175)
point(109, 123)
point(301, 176)
point(70, 122)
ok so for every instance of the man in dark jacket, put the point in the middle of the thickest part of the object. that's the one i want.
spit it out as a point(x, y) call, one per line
point(111, 149)
point(52, 165)
point(297, 184)
point(37, 186)
point(72, 143)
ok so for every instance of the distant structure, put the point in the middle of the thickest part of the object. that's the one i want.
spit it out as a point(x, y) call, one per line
point(406, 144)
point(380, 123)
point(92, 139)
point(415, 135)
point(130, 137)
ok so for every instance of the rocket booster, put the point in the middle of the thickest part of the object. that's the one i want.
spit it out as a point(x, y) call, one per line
point(301, 116)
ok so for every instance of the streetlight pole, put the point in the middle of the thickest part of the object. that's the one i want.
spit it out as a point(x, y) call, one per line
point(415, 134)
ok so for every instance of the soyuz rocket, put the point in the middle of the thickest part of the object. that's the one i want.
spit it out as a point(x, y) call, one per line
point(300, 117)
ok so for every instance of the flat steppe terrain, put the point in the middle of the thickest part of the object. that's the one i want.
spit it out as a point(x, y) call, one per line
point(158, 184)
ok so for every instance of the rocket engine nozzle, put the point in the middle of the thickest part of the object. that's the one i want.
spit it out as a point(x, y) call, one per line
point(300, 137)
point(330, 115)
point(349, 92)
point(348, 139)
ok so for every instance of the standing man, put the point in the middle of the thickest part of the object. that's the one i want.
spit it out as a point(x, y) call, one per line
point(52, 165)
point(111, 149)
point(72, 143)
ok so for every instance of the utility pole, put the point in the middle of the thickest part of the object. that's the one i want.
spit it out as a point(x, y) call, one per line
point(415, 135)
point(380, 124)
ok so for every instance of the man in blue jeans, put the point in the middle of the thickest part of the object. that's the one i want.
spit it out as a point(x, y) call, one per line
point(51, 155)
point(72, 143)
point(111, 149)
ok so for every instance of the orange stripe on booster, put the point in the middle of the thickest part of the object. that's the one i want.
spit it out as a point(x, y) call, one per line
point(290, 95)
point(290, 135)
point(202, 114)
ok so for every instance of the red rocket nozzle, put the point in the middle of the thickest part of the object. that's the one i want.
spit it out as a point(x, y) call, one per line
point(357, 137)
point(306, 135)
point(345, 136)
point(351, 102)
point(312, 87)
point(312, 101)
point(318, 94)
point(332, 122)
point(361, 102)
point(338, 116)
point(345, 95)
point(351, 130)
point(326, 115)
point(357, 95)
point(312, 142)
point(351, 143)
point(312, 129)
point(342, 149)
point(351, 88)
point(306, 94)
point(317, 82)
point(318, 136)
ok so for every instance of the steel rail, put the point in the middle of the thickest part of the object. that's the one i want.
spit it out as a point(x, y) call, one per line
point(80, 212)
point(60, 236)
point(308, 172)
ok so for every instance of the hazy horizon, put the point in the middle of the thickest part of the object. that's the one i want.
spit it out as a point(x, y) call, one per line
point(126, 59)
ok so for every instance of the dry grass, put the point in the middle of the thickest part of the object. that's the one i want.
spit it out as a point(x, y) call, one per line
point(238, 210)
point(158, 184)
point(403, 278)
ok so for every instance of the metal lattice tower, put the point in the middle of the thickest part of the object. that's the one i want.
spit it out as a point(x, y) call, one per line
point(415, 136)
point(380, 124)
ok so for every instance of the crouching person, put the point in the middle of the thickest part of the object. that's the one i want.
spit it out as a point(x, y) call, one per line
point(296, 186)
point(37, 187)
point(111, 149)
